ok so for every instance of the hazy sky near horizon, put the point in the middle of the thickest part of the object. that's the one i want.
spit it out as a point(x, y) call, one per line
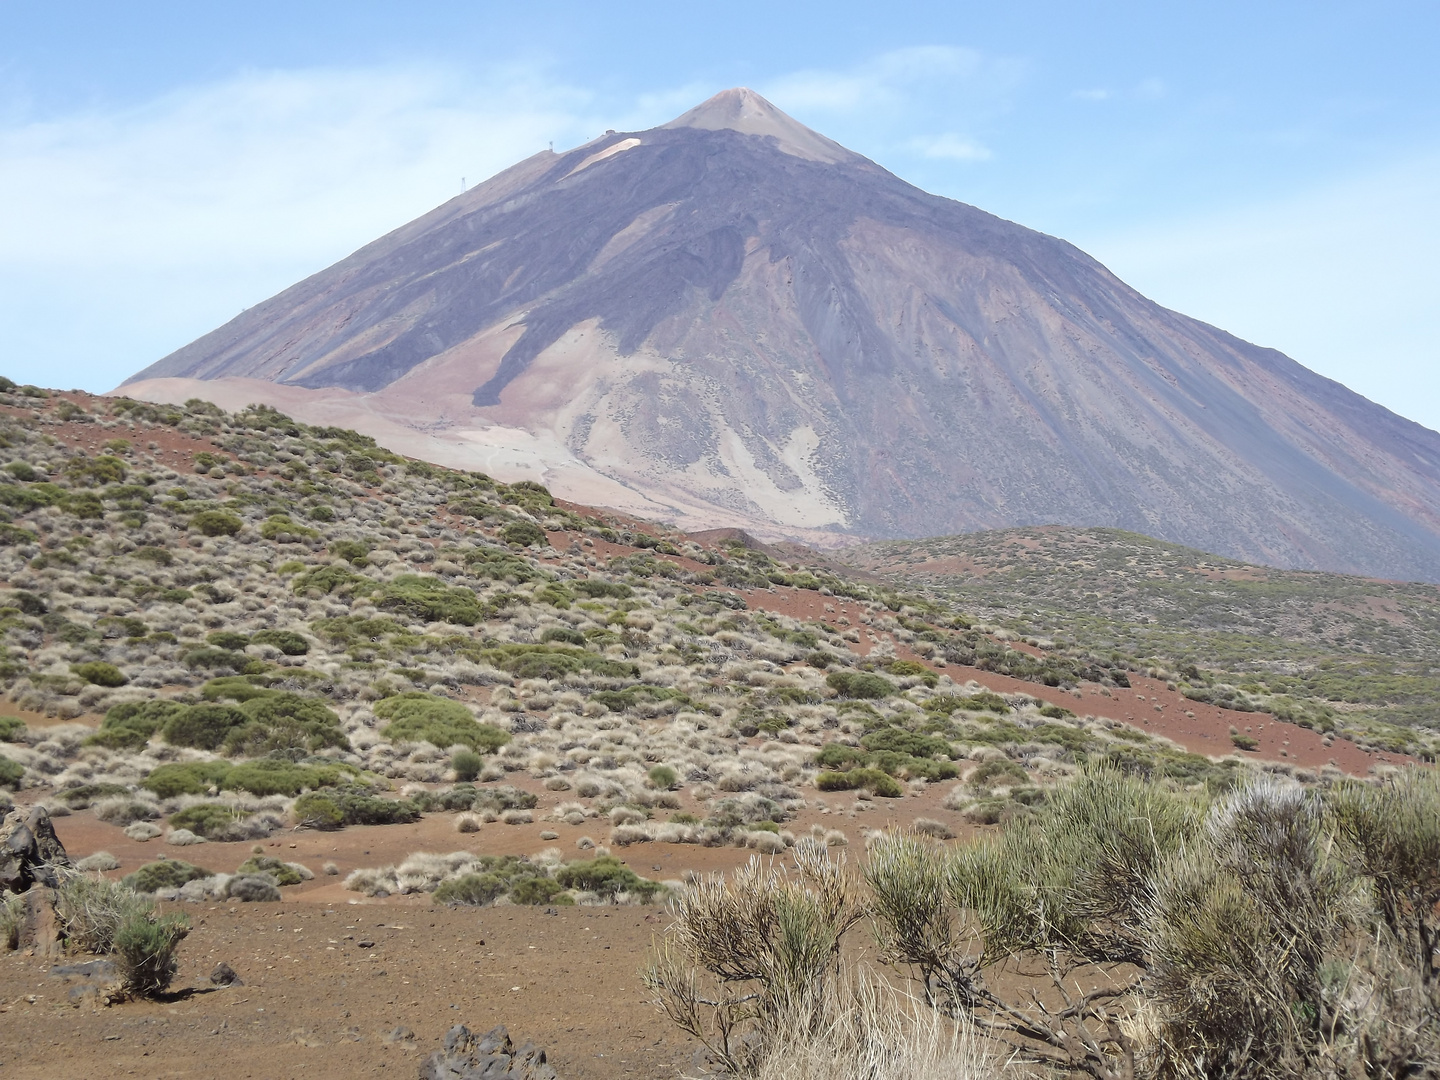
point(1270, 168)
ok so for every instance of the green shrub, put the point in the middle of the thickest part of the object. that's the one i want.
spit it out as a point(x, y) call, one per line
point(129, 725)
point(203, 727)
point(276, 776)
point(100, 673)
point(210, 820)
point(859, 684)
point(317, 811)
point(596, 589)
point(906, 742)
point(330, 579)
point(1055, 712)
point(536, 890)
point(472, 889)
point(467, 764)
point(419, 717)
point(358, 806)
point(352, 551)
point(664, 777)
point(278, 525)
point(606, 876)
point(233, 687)
point(228, 639)
point(12, 728)
point(283, 873)
point(563, 634)
point(190, 778)
point(505, 797)
point(164, 874)
point(430, 599)
point(216, 523)
point(90, 909)
point(554, 662)
point(984, 701)
point(11, 773)
point(145, 948)
point(1244, 742)
point(838, 756)
point(287, 641)
point(285, 721)
point(877, 782)
point(523, 534)
point(212, 658)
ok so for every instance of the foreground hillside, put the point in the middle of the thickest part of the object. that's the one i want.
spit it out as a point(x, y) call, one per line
point(414, 746)
point(1334, 652)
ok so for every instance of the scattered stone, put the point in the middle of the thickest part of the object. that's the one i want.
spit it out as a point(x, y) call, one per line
point(224, 975)
point(491, 1056)
point(29, 850)
point(364, 944)
point(399, 1035)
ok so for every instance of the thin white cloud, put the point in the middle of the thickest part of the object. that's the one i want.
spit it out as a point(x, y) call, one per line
point(950, 147)
point(1095, 94)
point(126, 232)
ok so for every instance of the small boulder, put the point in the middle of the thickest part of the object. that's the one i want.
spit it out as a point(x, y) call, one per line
point(491, 1056)
point(224, 975)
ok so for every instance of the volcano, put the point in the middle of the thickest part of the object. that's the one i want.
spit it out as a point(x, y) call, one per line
point(732, 321)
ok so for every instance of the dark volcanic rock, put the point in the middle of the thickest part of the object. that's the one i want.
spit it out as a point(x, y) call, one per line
point(741, 320)
point(29, 850)
point(491, 1056)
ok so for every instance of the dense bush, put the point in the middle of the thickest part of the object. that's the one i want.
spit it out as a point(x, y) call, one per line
point(606, 876)
point(564, 635)
point(188, 778)
point(859, 684)
point(11, 728)
point(214, 821)
point(164, 874)
point(287, 641)
point(467, 764)
point(523, 534)
point(351, 804)
point(11, 773)
point(430, 599)
point(216, 523)
point(145, 952)
point(204, 727)
point(100, 673)
point(420, 717)
point(129, 725)
point(283, 873)
point(596, 589)
point(873, 780)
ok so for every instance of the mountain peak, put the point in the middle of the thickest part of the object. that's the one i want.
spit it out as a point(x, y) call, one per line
point(742, 109)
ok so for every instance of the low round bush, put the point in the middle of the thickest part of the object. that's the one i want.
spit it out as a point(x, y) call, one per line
point(252, 888)
point(216, 523)
point(474, 890)
point(100, 673)
point(187, 778)
point(145, 951)
point(213, 821)
point(877, 782)
point(606, 876)
point(287, 641)
point(164, 874)
point(203, 727)
point(563, 634)
point(11, 773)
point(11, 728)
point(419, 717)
point(283, 873)
point(523, 534)
point(536, 890)
point(228, 639)
point(467, 764)
point(859, 684)
point(664, 777)
point(317, 811)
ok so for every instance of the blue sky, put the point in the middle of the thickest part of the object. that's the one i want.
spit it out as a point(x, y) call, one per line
point(1272, 168)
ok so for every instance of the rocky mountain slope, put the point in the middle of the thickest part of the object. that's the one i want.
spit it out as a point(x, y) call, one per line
point(731, 320)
